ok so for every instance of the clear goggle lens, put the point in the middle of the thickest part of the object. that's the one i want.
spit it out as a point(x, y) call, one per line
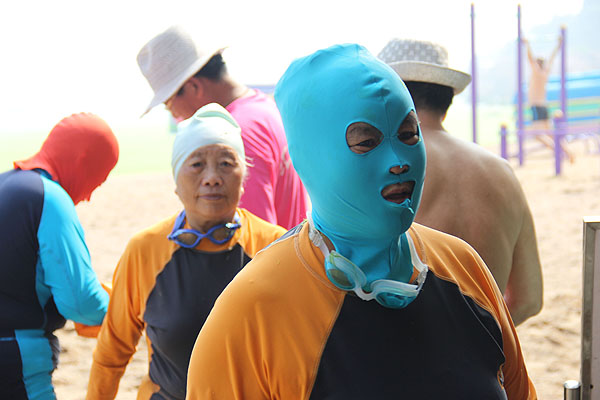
point(392, 294)
point(343, 273)
point(389, 293)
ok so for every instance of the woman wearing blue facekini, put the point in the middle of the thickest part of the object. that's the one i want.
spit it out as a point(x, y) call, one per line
point(171, 273)
point(359, 301)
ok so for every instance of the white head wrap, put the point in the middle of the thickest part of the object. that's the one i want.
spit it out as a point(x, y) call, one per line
point(211, 124)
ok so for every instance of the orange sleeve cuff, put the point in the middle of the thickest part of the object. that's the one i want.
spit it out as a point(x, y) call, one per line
point(91, 331)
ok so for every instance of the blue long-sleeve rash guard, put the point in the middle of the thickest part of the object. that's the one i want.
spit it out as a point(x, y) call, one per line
point(45, 277)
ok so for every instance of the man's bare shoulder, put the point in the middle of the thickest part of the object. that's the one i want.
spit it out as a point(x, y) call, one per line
point(468, 160)
point(474, 183)
point(471, 193)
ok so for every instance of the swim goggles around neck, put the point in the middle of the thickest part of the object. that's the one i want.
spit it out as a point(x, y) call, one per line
point(180, 223)
point(344, 274)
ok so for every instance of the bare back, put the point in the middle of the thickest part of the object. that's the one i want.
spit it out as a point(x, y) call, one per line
point(537, 84)
point(473, 194)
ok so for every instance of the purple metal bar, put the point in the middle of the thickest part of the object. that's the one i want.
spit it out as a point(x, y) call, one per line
point(563, 73)
point(520, 139)
point(519, 87)
point(560, 123)
point(503, 145)
point(473, 75)
point(558, 135)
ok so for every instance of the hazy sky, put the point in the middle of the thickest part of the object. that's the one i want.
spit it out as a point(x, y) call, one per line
point(60, 57)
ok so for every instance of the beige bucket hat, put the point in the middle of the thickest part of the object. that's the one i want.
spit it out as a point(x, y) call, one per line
point(169, 59)
point(422, 61)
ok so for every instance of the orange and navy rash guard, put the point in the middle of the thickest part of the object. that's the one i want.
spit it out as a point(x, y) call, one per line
point(168, 291)
point(281, 330)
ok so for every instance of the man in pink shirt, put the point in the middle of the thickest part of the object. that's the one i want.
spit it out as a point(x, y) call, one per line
point(185, 77)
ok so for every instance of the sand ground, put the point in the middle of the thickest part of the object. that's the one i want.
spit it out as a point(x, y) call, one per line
point(550, 341)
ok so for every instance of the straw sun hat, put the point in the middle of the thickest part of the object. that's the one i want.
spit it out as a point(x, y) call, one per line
point(421, 61)
point(169, 59)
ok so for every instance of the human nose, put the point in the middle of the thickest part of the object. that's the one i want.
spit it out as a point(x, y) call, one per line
point(211, 177)
point(399, 169)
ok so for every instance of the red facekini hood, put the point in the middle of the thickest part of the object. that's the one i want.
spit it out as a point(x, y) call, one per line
point(79, 153)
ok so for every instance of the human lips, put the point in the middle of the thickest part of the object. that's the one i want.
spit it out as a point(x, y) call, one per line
point(398, 192)
point(212, 196)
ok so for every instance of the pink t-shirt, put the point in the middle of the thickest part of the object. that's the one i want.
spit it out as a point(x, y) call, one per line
point(273, 191)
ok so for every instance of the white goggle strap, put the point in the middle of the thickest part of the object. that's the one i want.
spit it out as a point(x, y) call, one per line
point(417, 263)
point(315, 237)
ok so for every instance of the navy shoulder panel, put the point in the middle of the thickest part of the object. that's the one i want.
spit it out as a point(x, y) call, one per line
point(442, 346)
point(21, 206)
point(183, 296)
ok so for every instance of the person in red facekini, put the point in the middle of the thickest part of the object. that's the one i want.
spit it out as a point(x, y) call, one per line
point(46, 275)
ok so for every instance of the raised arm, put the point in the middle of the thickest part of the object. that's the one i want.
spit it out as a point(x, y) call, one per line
point(530, 56)
point(554, 52)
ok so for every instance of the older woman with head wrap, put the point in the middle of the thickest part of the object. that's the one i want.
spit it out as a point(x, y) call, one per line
point(171, 273)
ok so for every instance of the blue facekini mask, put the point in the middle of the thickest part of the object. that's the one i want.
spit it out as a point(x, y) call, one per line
point(319, 97)
point(178, 231)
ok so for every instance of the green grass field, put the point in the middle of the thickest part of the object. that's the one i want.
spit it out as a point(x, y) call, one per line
point(146, 148)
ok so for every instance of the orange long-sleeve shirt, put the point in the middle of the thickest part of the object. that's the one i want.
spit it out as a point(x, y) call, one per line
point(281, 330)
point(167, 291)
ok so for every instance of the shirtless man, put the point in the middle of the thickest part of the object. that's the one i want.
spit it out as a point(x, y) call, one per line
point(540, 71)
point(469, 192)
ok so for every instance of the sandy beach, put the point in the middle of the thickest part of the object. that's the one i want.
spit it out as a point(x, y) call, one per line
point(550, 341)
